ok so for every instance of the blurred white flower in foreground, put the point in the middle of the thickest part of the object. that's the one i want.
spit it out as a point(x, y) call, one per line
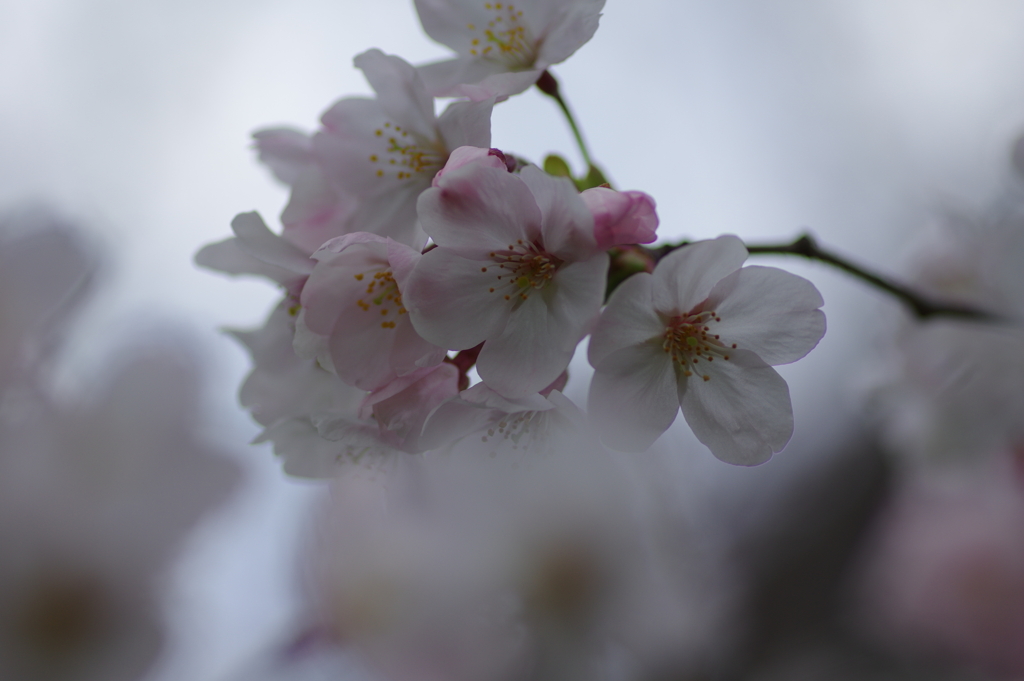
point(954, 389)
point(561, 567)
point(944, 575)
point(96, 493)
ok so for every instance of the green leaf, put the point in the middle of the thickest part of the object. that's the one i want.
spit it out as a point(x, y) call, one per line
point(557, 166)
point(594, 178)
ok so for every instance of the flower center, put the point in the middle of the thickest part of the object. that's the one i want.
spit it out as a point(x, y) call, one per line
point(383, 296)
point(504, 39)
point(522, 269)
point(405, 156)
point(688, 338)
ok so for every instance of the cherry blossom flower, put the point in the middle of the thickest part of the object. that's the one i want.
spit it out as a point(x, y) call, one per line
point(480, 420)
point(401, 407)
point(943, 573)
point(954, 389)
point(318, 209)
point(458, 569)
point(516, 267)
point(701, 333)
point(385, 151)
point(502, 47)
point(353, 301)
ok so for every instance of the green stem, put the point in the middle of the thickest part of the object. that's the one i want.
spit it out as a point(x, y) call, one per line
point(549, 86)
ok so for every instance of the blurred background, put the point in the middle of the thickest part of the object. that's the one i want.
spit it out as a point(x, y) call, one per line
point(860, 120)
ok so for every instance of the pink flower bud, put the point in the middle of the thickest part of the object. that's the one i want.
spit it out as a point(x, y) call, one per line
point(621, 218)
point(464, 156)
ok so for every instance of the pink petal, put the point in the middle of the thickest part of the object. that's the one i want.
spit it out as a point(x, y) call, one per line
point(476, 156)
point(621, 218)
point(256, 239)
point(476, 210)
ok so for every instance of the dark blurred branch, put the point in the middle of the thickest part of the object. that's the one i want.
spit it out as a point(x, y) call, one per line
point(805, 246)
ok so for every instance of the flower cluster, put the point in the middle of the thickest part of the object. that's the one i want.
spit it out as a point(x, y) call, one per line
point(415, 258)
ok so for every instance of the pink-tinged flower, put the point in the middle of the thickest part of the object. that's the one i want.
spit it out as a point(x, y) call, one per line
point(318, 209)
point(480, 420)
point(290, 395)
point(955, 389)
point(385, 151)
point(621, 218)
point(516, 267)
point(402, 407)
point(701, 333)
point(502, 47)
point(944, 571)
point(352, 301)
point(257, 251)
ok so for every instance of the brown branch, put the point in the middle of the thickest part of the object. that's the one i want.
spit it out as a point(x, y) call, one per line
point(805, 246)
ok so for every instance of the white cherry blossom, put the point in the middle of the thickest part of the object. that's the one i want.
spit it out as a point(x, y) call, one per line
point(516, 267)
point(385, 151)
point(502, 47)
point(701, 333)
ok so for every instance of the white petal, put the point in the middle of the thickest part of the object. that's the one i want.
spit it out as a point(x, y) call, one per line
point(742, 413)
point(686, 276)
point(445, 78)
point(392, 214)
point(542, 334)
point(568, 28)
point(256, 239)
point(633, 397)
point(288, 152)
point(445, 21)
point(410, 350)
point(628, 319)
point(770, 312)
point(228, 257)
point(399, 90)
point(348, 141)
point(497, 86)
point(567, 224)
point(466, 124)
point(529, 355)
point(449, 301)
